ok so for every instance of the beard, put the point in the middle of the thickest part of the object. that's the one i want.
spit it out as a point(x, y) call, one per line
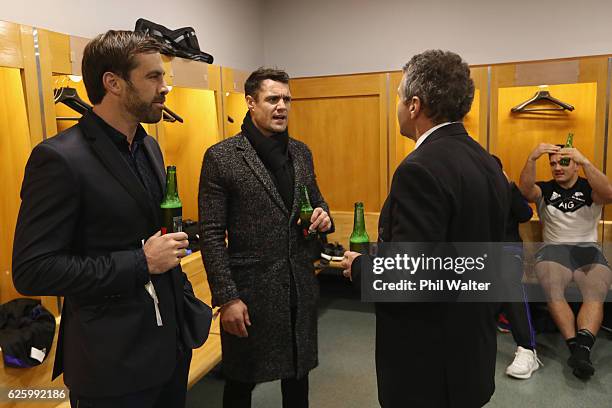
point(142, 110)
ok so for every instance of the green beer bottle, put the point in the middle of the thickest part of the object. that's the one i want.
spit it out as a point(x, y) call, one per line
point(359, 240)
point(568, 143)
point(171, 206)
point(305, 213)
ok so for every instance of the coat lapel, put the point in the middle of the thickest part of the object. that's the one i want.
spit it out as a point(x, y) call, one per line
point(255, 163)
point(115, 164)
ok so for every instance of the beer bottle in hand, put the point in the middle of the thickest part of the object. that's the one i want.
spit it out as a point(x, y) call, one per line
point(569, 143)
point(305, 213)
point(359, 240)
point(171, 206)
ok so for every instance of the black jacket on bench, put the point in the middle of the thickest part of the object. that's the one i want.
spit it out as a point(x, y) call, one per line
point(83, 217)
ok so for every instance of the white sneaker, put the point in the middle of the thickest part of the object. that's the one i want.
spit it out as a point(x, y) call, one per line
point(524, 364)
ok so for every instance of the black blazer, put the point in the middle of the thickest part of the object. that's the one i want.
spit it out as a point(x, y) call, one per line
point(83, 216)
point(440, 354)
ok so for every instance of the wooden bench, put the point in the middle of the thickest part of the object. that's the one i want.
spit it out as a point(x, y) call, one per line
point(204, 359)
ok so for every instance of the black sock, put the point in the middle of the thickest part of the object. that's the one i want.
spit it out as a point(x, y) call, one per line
point(571, 344)
point(585, 338)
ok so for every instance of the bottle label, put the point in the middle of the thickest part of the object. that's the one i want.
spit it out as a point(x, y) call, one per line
point(361, 247)
point(177, 223)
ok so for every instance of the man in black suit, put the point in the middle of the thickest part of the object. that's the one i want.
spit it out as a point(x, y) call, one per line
point(449, 189)
point(88, 230)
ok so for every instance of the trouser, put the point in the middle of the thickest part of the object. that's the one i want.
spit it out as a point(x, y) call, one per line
point(518, 312)
point(170, 394)
point(237, 394)
point(519, 316)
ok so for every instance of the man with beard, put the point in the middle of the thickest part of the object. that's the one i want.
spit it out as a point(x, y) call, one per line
point(88, 230)
point(263, 279)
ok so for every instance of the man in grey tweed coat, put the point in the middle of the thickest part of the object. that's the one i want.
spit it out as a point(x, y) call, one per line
point(263, 278)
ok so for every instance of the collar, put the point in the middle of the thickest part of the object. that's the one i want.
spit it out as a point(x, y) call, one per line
point(118, 138)
point(429, 132)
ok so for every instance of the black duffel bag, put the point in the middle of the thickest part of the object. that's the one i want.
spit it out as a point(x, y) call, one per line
point(181, 42)
point(26, 332)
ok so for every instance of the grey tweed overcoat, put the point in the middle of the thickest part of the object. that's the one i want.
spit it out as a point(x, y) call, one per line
point(237, 196)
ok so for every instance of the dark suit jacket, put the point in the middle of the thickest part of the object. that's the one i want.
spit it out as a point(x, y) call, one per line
point(83, 217)
point(440, 354)
point(264, 247)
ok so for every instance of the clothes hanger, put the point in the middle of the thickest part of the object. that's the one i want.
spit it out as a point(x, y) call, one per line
point(69, 97)
point(542, 96)
point(170, 116)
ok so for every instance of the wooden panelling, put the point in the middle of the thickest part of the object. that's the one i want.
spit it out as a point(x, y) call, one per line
point(608, 160)
point(343, 135)
point(47, 41)
point(30, 85)
point(235, 109)
point(214, 83)
point(233, 79)
point(596, 70)
point(184, 144)
point(513, 137)
point(519, 134)
point(10, 45)
point(347, 135)
point(169, 76)
point(233, 103)
point(59, 45)
point(336, 86)
point(14, 152)
point(54, 59)
point(399, 146)
point(189, 74)
point(77, 45)
point(591, 70)
point(476, 120)
point(472, 121)
point(214, 77)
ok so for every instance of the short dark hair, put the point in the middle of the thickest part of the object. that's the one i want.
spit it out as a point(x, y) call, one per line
point(253, 82)
point(113, 51)
point(441, 80)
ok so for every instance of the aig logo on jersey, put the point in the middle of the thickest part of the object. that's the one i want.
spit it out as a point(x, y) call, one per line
point(567, 202)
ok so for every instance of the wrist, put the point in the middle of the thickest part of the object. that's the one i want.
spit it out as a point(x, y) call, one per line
point(229, 303)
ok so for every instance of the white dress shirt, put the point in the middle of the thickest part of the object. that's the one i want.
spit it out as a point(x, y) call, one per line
point(424, 136)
